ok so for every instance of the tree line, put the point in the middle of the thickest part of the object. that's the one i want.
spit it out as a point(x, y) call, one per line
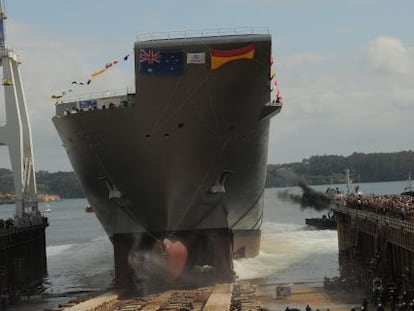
point(316, 170)
point(330, 169)
point(64, 184)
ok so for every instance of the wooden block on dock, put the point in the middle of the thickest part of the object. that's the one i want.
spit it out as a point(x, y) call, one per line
point(220, 298)
point(93, 303)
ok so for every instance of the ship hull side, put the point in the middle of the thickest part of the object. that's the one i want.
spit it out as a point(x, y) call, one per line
point(189, 156)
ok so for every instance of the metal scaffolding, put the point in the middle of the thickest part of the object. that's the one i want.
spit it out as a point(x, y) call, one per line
point(16, 134)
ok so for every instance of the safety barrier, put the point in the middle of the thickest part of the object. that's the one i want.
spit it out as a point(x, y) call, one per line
point(378, 218)
point(185, 34)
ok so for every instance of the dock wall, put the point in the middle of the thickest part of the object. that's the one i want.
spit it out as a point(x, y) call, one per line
point(22, 258)
point(382, 245)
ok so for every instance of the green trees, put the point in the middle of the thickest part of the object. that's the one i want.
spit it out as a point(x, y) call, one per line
point(330, 169)
point(65, 184)
point(316, 170)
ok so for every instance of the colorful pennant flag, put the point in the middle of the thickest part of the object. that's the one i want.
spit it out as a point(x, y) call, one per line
point(278, 97)
point(60, 96)
point(93, 75)
point(221, 57)
point(97, 73)
point(108, 65)
point(160, 62)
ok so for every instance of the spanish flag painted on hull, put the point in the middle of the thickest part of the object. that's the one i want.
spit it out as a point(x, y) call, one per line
point(221, 57)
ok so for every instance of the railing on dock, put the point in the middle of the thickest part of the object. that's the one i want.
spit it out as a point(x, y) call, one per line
point(378, 218)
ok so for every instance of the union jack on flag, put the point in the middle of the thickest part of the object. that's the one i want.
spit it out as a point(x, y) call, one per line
point(161, 62)
point(149, 56)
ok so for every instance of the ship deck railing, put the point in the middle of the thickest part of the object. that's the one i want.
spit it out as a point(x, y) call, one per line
point(100, 94)
point(377, 218)
point(95, 101)
point(202, 33)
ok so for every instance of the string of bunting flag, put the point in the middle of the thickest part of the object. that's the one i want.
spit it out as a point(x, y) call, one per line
point(93, 75)
point(274, 84)
point(172, 63)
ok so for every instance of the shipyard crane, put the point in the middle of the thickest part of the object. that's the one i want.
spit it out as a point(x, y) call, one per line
point(16, 133)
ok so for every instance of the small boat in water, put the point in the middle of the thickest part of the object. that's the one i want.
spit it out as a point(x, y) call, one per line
point(89, 209)
point(47, 210)
point(323, 223)
point(409, 189)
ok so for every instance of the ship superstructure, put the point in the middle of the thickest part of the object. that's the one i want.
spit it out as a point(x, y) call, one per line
point(178, 168)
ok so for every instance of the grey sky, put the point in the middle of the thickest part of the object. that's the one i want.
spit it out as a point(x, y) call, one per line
point(345, 68)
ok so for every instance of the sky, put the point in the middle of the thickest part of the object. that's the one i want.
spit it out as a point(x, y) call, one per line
point(345, 68)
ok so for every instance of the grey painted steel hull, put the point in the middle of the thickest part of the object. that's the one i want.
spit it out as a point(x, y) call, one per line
point(190, 154)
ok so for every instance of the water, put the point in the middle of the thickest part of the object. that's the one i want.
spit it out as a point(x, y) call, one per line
point(292, 252)
point(80, 255)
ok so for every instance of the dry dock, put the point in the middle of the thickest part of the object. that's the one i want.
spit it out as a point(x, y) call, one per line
point(386, 243)
point(22, 259)
point(376, 247)
point(243, 295)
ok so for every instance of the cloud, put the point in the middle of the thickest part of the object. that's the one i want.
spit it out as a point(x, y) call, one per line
point(49, 65)
point(334, 105)
point(338, 103)
point(388, 55)
point(301, 59)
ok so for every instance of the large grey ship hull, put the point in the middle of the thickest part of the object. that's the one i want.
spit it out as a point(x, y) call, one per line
point(185, 156)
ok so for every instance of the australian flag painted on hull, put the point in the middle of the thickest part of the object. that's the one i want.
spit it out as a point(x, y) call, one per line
point(160, 62)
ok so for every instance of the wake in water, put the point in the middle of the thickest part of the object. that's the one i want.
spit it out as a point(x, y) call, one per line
point(79, 266)
point(290, 253)
point(57, 249)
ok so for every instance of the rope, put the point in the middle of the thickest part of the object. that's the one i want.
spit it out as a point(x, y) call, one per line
point(166, 106)
point(118, 201)
point(189, 205)
point(259, 222)
point(249, 209)
point(184, 102)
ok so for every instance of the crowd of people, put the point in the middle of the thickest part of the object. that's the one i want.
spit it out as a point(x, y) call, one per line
point(6, 224)
point(27, 220)
point(397, 206)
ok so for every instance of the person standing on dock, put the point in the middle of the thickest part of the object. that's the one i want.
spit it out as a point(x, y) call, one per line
point(392, 302)
point(402, 307)
point(365, 304)
point(411, 306)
